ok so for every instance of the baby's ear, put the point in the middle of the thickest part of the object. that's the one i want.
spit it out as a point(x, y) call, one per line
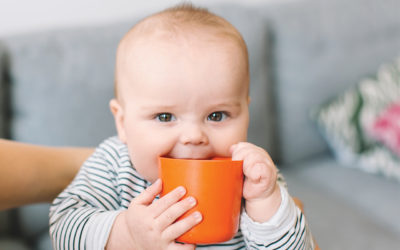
point(118, 112)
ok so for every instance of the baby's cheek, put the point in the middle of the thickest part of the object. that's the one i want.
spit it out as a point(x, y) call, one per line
point(149, 171)
point(225, 150)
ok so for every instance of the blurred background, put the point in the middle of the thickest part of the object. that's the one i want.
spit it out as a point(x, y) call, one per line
point(23, 16)
point(322, 73)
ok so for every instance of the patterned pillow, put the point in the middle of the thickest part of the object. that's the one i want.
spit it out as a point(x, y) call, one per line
point(346, 123)
point(386, 128)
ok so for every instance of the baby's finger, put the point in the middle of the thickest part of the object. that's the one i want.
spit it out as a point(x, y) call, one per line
point(255, 158)
point(182, 226)
point(174, 212)
point(162, 204)
point(181, 246)
point(149, 194)
point(242, 150)
point(257, 172)
point(239, 145)
point(234, 149)
point(251, 154)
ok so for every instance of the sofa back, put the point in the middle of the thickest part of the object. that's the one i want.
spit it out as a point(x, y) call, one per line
point(318, 49)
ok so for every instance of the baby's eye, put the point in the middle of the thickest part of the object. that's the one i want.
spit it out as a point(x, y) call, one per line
point(217, 116)
point(165, 117)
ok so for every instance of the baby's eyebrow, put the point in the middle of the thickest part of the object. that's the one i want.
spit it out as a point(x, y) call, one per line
point(157, 107)
point(228, 104)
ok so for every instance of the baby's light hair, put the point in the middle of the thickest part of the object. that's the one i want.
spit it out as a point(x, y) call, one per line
point(182, 21)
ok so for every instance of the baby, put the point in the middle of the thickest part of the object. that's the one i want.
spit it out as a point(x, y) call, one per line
point(182, 91)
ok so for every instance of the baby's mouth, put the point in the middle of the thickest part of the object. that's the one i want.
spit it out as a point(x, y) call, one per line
point(189, 158)
point(192, 153)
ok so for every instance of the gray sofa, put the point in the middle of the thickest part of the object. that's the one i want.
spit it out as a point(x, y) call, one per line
point(55, 88)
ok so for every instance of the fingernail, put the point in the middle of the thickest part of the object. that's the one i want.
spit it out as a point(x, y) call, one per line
point(181, 190)
point(157, 181)
point(197, 216)
point(191, 200)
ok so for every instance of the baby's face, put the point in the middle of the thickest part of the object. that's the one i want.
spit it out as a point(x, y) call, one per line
point(187, 100)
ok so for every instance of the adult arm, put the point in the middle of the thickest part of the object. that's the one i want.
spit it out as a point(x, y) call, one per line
point(31, 174)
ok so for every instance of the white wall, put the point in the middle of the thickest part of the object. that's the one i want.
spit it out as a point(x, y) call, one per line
point(21, 16)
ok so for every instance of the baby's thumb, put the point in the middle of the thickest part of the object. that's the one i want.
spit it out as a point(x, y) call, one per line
point(149, 194)
point(185, 247)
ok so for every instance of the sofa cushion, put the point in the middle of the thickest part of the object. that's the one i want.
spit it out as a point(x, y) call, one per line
point(61, 84)
point(320, 48)
point(359, 209)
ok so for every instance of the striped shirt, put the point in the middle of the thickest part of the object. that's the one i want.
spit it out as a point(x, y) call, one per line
point(81, 217)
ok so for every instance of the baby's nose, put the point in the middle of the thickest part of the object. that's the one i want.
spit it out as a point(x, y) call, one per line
point(193, 134)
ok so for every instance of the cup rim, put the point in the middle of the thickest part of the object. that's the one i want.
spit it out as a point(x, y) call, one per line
point(214, 159)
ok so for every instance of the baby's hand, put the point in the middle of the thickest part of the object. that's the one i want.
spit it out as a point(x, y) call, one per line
point(260, 189)
point(151, 224)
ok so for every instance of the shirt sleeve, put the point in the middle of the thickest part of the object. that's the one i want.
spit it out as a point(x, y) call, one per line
point(287, 229)
point(81, 217)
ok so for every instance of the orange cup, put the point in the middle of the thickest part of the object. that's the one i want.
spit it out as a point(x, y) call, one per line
point(217, 186)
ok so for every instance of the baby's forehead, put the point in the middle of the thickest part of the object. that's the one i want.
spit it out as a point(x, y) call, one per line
point(184, 24)
point(188, 27)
